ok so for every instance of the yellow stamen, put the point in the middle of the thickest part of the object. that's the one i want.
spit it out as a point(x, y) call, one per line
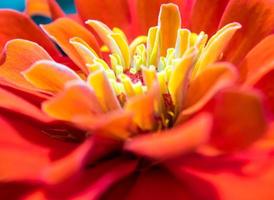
point(85, 51)
point(103, 90)
point(216, 46)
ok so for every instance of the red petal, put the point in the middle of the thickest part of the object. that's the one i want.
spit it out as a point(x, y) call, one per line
point(114, 14)
point(33, 97)
point(207, 21)
point(267, 142)
point(257, 20)
point(115, 173)
point(15, 190)
point(17, 104)
point(92, 182)
point(25, 144)
point(228, 177)
point(186, 12)
point(19, 55)
point(17, 25)
point(145, 14)
point(239, 119)
point(258, 62)
point(157, 183)
point(64, 29)
point(174, 142)
point(266, 86)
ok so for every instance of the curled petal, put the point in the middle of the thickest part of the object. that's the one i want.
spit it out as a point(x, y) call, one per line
point(216, 46)
point(75, 101)
point(114, 125)
point(49, 75)
point(260, 13)
point(18, 56)
point(84, 50)
point(205, 86)
point(15, 25)
point(143, 108)
point(62, 30)
point(175, 142)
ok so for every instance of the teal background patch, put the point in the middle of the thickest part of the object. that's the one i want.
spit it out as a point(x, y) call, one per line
point(67, 5)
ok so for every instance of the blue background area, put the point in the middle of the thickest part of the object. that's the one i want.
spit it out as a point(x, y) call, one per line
point(67, 5)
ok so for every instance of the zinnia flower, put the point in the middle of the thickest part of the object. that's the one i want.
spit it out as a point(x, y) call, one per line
point(133, 108)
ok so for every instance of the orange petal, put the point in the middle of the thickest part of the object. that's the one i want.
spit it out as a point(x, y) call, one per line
point(257, 20)
point(49, 75)
point(114, 125)
point(206, 85)
point(48, 8)
point(207, 21)
point(15, 25)
point(62, 30)
point(143, 108)
point(258, 61)
point(75, 101)
point(19, 55)
point(113, 14)
point(239, 119)
point(175, 142)
point(145, 14)
point(168, 31)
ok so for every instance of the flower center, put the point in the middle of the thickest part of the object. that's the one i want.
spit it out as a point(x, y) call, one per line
point(160, 65)
point(148, 77)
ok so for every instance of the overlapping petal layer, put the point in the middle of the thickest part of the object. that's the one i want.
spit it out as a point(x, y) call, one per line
point(151, 117)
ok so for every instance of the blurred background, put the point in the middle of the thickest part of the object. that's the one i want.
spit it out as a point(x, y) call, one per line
point(67, 5)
